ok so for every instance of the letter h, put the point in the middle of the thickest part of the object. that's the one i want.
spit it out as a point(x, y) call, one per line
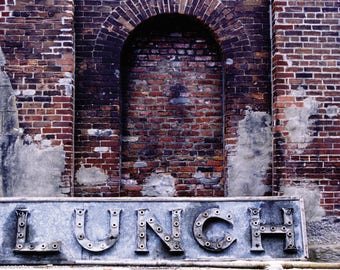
point(258, 228)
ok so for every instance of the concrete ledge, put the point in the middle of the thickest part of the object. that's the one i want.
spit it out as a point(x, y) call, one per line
point(194, 265)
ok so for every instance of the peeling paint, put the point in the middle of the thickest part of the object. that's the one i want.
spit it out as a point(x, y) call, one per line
point(159, 185)
point(90, 176)
point(247, 168)
point(299, 121)
point(311, 196)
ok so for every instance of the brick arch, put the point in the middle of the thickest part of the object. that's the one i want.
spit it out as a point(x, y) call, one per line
point(102, 64)
point(229, 31)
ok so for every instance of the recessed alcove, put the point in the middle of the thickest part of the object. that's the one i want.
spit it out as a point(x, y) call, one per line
point(172, 105)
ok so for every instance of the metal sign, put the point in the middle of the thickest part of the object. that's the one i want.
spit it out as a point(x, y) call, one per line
point(78, 230)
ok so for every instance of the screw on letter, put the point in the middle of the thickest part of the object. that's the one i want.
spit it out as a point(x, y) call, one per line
point(171, 240)
point(21, 246)
point(257, 229)
point(202, 239)
point(96, 246)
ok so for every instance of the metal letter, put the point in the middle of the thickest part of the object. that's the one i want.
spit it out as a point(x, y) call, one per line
point(200, 235)
point(257, 229)
point(172, 240)
point(97, 246)
point(21, 246)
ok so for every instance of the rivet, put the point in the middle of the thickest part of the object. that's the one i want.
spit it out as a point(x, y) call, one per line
point(80, 212)
point(255, 223)
point(198, 224)
point(217, 212)
point(290, 234)
point(262, 228)
point(80, 224)
point(207, 244)
point(114, 213)
point(256, 234)
point(80, 236)
point(219, 245)
point(22, 224)
point(55, 246)
point(141, 246)
point(142, 224)
point(289, 222)
point(283, 228)
point(159, 229)
point(205, 214)
point(255, 212)
point(20, 246)
point(176, 223)
point(272, 228)
point(141, 234)
point(151, 220)
point(31, 246)
point(114, 225)
point(229, 216)
point(141, 212)
point(20, 235)
point(43, 246)
point(167, 238)
point(176, 235)
point(229, 239)
point(89, 245)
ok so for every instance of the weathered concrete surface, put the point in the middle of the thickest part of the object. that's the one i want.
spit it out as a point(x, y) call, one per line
point(248, 167)
point(324, 239)
point(58, 221)
point(237, 265)
point(34, 170)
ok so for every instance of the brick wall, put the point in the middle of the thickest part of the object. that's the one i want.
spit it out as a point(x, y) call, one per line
point(172, 106)
point(306, 83)
point(36, 38)
point(102, 28)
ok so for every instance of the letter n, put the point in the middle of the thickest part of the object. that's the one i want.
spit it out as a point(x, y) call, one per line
point(171, 240)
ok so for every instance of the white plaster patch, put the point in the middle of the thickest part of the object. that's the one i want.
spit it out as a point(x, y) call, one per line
point(311, 196)
point(299, 123)
point(247, 168)
point(35, 171)
point(159, 185)
point(101, 149)
point(28, 92)
point(332, 111)
point(90, 176)
point(130, 139)
point(99, 132)
point(2, 58)
point(67, 82)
